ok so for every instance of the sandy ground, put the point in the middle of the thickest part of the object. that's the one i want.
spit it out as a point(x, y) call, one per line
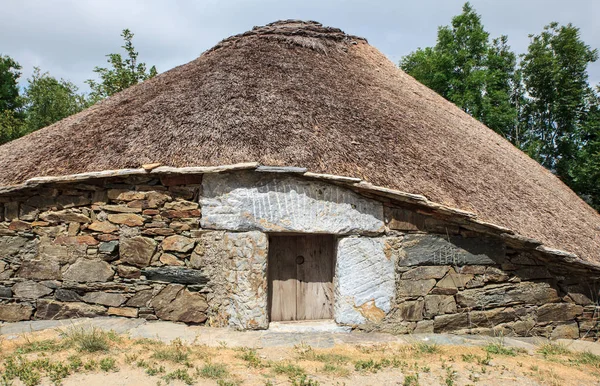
point(286, 358)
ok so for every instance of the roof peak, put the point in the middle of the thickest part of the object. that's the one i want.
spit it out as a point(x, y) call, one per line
point(306, 33)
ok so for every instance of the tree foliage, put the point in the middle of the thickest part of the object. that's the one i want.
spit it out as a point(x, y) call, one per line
point(49, 100)
point(9, 87)
point(556, 81)
point(470, 71)
point(124, 72)
point(544, 104)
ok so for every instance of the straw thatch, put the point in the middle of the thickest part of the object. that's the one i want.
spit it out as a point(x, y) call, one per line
point(296, 93)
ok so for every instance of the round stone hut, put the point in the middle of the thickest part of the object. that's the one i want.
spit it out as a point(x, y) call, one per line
point(292, 173)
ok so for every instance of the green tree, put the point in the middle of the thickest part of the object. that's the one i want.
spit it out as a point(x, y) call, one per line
point(585, 175)
point(124, 72)
point(468, 70)
point(556, 81)
point(11, 103)
point(9, 87)
point(49, 100)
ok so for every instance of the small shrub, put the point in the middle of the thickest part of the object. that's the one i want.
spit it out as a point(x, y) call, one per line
point(426, 348)
point(587, 358)
point(551, 349)
point(289, 369)
point(303, 380)
point(214, 371)
point(88, 340)
point(75, 362)
point(336, 370)
point(451, 376)
point(51, 345)
point(175, 352)
point(369, 365)
point(181, 375)
point(500, 349)
point(411, 380)
point(90, 365)
point(251, 356)
point(108, 364)
point(154, 370)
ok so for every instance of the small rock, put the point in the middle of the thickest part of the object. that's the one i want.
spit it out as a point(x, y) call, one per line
point(30, 290)
point(47, 269)
point(18, 225)
point(51, 309)
point(104, 298)
point(64, 216)
point(121, 209)
point(128, 272)
point(178, 244)
point(177, 304)
point(76, 240)
point(15, 312)
point(109, 247)
point(168, 259)
point(123, 311)
point(137, 250)
point(129, 219)
point(103, 226)
point(84, 270)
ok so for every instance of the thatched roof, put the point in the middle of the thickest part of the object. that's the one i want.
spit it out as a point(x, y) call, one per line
point(296, 93)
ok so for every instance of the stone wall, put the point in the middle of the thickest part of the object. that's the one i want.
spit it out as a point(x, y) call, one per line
point(463, 282)
point(193, 248)
point(129, 247)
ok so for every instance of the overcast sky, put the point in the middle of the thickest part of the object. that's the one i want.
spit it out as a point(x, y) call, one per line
point(69, 37)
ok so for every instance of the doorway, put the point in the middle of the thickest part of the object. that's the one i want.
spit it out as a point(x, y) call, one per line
point(300, 272)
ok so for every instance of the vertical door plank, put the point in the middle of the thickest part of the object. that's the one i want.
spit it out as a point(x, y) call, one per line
point(315, 278)
point(282, 275)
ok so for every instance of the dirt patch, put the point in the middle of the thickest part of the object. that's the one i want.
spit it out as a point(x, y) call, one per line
point(76, 356)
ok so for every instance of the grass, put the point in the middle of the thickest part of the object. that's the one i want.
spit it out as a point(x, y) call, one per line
point(213, 371)
point(289, 369)
point(176, 352)
point(108, 364)
point(551, 349)
point(411, 380)
point(88, 340)
point(426, 348)
point(49, 361)
point(500, 349)
point(179, 374)
point(335, 370)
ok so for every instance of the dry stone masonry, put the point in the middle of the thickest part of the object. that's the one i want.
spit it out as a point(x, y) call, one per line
point(194, 248)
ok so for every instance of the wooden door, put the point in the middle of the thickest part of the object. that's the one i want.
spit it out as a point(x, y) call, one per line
point(301, 277)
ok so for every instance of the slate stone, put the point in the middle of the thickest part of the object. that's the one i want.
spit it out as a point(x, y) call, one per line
point(140, 299)
point(473, 319)
point(64, 216)
point(365, 273)
point(30, 290)
point(137, 250)
point(439, 305)
point(457, 251)
point(178, 243)
point(47, 269)
point(555, 312)
point(15, 312)
point(500, 295)
point(11, 245)
point(128, 272)
point(126, 312)
point(65, 295)
point(52, 309)
point(411, 311)
point(104, 298)
point(411, 288)
point(178, 275)
point(84, 270)
point(428, 272)
point(177, 304)
point(566, 331)
point(253, 201)
point(5, 292)
point(109, 247)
